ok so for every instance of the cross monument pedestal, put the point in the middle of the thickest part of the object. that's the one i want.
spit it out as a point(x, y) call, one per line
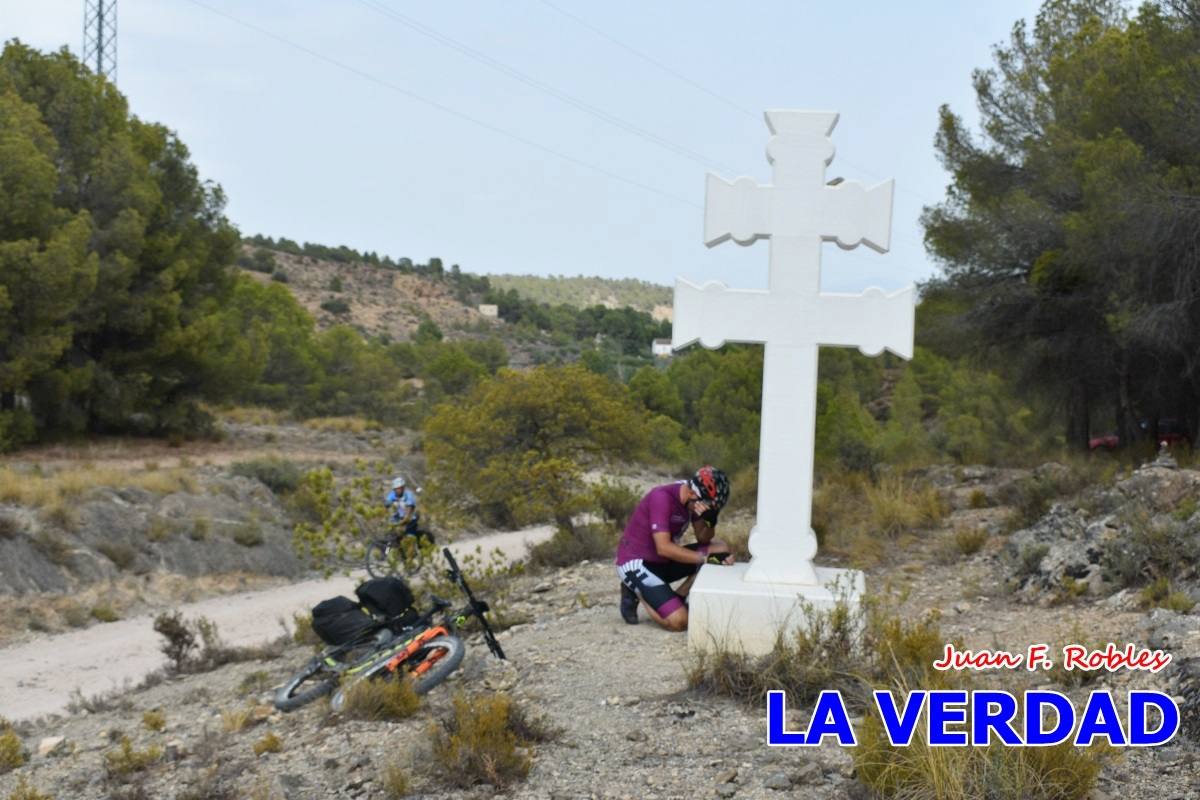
point(745, 606)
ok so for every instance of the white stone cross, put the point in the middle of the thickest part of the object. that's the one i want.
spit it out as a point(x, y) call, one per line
point(792, 318)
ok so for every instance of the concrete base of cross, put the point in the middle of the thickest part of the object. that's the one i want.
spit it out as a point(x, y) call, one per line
point(727, 612)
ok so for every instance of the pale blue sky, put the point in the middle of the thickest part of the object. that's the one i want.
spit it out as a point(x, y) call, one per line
point(311, 151)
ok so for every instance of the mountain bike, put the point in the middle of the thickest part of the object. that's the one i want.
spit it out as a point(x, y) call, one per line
point(398, 552)
point(424, 650)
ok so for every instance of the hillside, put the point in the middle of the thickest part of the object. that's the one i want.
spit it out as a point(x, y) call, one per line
point(378, 301)
point(581, 291)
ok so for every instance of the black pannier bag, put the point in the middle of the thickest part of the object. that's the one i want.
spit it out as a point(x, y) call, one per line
point(339, 620)
point(387, 597)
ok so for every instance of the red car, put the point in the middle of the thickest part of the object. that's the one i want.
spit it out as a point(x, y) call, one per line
point(1170, 430)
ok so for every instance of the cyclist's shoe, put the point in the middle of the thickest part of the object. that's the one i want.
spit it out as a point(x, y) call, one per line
point(629, 605)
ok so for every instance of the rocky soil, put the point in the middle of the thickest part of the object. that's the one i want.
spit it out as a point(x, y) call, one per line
point(629, 725)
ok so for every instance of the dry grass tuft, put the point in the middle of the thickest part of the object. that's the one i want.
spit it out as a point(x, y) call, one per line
point(23, 791)
point(126, 761)
point(480, 743)
point(105, 613)
point(268, 744)
point(255, 682)
point(236, 720)
point(897, 505)
point(120, 554)
point(847, 648)
point(1061, 772)
point(252, 415)
point(53, 490)
point(341, 424)
point(394, 781)
point(154, 720)
point(979, 499)
point(303, 633)
point(382, 699)
point(1158, 594)
point(12, 751)
point(10, 527)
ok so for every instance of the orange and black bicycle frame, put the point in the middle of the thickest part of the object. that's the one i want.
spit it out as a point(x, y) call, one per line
point(415, 644)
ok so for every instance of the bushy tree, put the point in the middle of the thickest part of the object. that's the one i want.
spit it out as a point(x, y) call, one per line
point(113, 257)
point(1070, 223)
point(514, 450)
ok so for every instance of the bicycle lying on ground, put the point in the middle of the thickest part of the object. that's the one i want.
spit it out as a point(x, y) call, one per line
point(394, 643)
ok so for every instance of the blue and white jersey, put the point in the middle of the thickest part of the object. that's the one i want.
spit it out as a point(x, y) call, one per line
point(401, 502)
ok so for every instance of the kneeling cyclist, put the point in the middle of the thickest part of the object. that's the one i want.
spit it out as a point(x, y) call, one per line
point(649, 556)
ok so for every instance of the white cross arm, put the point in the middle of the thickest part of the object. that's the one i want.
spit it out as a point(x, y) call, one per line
point(849, 213)
point(872, 321)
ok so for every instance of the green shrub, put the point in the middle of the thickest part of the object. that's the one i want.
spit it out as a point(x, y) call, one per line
point(180, 641)
point(159, 529)
point(565, 548)
point(616, 502)
point(268, 744)
point(335, 284)
point(279, 276)
point(970, 541)
point(249, 534)
point(302, 632)
point(12, 751)
point(1029, 560)
point(1030, 499)
point(126, 761)
point(10, 528)
point(200, 529)
point(382, 699)
point(24, 791)
point(479, 744)
point(105, 613)
point(979, 499)
point(1151, 547)
point(1158, 594)
point(154, 720)
point(335, 305)
point(260, 261)
point(119, 553)
point(277, 474)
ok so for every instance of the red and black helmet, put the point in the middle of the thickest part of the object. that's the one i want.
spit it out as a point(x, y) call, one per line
point(712, 485)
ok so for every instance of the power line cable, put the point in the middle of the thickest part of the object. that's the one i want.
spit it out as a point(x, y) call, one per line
point(442, 107)
point(695, 85)
point(528, 80)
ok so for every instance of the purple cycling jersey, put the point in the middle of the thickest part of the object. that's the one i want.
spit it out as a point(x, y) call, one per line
point(660, 510)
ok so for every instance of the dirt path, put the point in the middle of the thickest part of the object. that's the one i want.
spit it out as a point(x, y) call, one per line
point(38, 677)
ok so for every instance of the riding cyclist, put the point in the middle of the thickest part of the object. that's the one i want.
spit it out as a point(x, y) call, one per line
point(649, 556)
point(402, 502)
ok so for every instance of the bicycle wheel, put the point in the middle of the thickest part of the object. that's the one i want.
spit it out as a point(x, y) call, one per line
point(378, 559)
point(442, 655)
point(314, 681)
